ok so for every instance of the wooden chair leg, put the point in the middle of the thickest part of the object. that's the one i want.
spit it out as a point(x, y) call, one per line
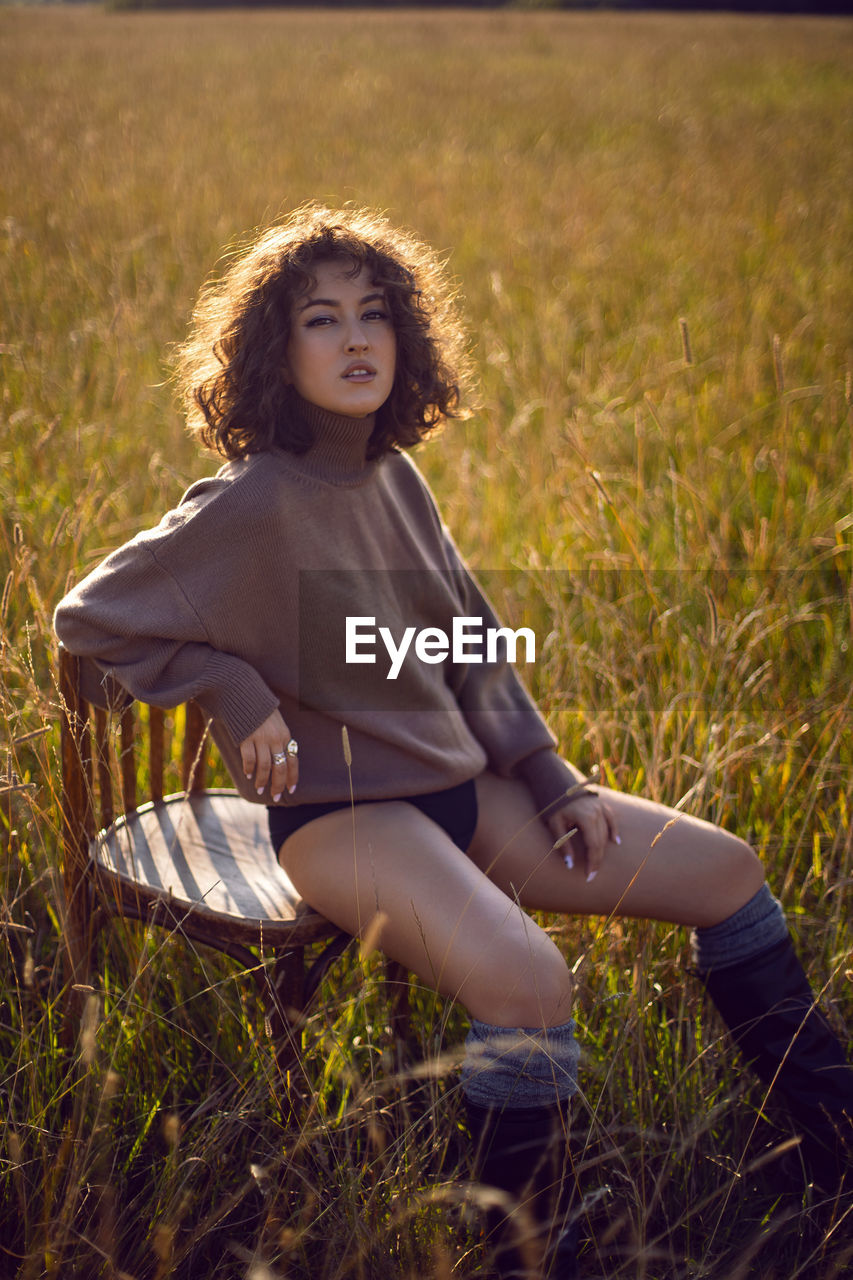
point(84, 918)
point(285, 1004)
point(79, 936)
point(78, 823)
point(83, 921)
point(397, 992)
point(291, 988)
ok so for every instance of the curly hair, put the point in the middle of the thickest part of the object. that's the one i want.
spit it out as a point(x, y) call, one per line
point(230, 371)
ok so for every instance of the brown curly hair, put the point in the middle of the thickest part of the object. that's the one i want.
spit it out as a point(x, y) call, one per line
point(230, 371)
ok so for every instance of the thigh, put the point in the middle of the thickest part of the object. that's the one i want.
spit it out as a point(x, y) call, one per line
point(669, 866)
point(389, 872)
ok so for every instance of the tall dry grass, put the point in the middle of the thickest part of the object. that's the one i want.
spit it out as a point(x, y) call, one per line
point(650, 219)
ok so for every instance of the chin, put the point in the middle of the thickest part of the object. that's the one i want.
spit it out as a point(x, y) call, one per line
point(361, 410)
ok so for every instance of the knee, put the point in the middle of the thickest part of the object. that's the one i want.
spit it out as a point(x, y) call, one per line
point(533, 988)
point(740, 875)
point(745, 868)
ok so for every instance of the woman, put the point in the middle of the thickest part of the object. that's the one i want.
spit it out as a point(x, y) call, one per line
point(328, 349)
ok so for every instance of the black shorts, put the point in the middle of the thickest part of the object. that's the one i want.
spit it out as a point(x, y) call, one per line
point(455, 811)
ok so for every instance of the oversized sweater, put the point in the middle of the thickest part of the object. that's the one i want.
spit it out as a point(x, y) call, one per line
point(239, 599)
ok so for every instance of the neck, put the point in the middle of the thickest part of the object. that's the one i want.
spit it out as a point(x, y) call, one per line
point(339, 451)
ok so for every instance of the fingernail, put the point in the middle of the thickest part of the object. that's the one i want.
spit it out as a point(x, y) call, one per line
point(260, 791)
point(617, 839)
point(277, 798)
point(290, 790)
point(569, 860)
point(591, 876)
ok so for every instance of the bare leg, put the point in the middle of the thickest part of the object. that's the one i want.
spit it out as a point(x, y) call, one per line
point(438, 914)
point(669, 866)
point(457, 920)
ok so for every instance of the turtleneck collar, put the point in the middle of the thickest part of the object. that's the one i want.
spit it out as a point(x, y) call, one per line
point(339, 452)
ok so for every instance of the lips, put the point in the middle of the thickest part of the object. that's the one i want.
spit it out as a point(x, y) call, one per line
point(359, 371)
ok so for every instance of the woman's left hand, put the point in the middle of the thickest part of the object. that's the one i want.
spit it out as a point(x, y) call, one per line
point(591, 819)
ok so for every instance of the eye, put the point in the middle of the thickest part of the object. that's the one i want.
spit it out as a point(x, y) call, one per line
point(376, 314)
point(316, 321)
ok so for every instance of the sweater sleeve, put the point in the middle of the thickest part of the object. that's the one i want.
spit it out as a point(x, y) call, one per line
point(549, 777)
point(135, 620)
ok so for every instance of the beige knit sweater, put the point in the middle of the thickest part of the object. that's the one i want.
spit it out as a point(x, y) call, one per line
point(239, 599)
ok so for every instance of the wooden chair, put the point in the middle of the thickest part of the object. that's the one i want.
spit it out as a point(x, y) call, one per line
point(198, 862)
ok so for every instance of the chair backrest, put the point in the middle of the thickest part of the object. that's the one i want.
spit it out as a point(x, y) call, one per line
point(89, 696)
point(108, 750)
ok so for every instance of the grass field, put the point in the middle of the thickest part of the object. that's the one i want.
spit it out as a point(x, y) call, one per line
point(650, 220)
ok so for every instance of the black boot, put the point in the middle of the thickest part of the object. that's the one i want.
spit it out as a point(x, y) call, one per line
point(769, 1007)
point(523, 1153)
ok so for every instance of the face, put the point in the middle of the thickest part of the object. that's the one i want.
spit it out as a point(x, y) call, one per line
point(342, 350)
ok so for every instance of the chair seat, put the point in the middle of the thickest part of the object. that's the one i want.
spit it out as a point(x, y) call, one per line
point(207, 859)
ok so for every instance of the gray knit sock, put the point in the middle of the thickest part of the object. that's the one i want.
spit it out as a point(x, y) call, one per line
point(520, 1066)
point(756, 927)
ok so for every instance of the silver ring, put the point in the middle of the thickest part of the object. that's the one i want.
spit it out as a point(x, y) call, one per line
point(291, 750)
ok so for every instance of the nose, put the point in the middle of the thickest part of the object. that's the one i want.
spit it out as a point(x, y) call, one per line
point(356, 337)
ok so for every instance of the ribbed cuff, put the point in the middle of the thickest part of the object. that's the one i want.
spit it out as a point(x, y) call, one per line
point(513, 1067)
point(236, 695)
point(756, 927)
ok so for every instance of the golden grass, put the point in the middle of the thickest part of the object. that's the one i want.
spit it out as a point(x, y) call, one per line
point(650, 220)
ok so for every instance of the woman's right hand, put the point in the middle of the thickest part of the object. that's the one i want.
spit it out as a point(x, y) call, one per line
point(590, 818)
point(257, 751)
